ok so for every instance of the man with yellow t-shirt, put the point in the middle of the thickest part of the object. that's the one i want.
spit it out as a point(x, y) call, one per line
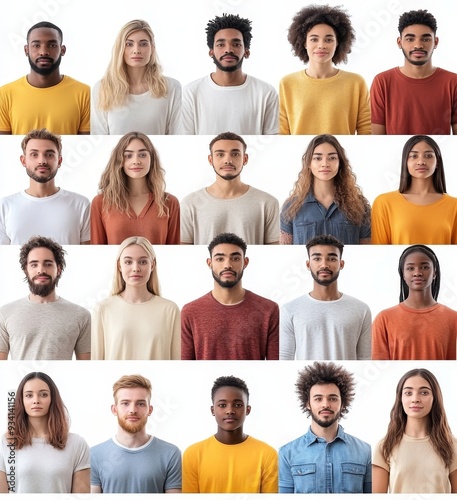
point(230, 461)
point(44, 98)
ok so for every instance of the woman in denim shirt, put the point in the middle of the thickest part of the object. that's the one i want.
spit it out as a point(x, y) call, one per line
point(326, 198)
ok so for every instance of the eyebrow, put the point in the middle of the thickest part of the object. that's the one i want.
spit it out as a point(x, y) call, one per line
point(414, 34)
point(53, 40)
point(46, 150)
point(45, 260)
point(317, 34)
point(222, 254)
point(224, 150)
point(136, 400)
point(141, 40)
point(426, 151)
point(132, 151)
point(331, 153)
point(142, 257)
point(321, 395)
point(330, 254)
point(225, 400)
point(422, 387)
point(421, 262)
point(231, 39)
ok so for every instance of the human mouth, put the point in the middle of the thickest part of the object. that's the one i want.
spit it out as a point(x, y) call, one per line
point(229, 58)
point(230, 420)
point(44, 60)
point(418, 53)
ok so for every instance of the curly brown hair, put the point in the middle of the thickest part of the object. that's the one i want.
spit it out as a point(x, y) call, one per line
point(348, 195)
point(325, 373)
point(42, 242)
point(311, 15)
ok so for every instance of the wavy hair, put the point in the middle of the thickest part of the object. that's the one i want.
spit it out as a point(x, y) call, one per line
point(312, 15)
point(348, 195)
point(131, 382)
point(437, 425)
point(439, 180)
point(58, 418)
point(114, 86)
point(113, 183)
point(153, 285)
point(428, 252)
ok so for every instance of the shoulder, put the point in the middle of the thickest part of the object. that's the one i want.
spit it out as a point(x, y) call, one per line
point(71, 82)
point(299, 442)
point(353, 301)
point(12, 85)
point(353, 441)
point(172, 83)
point(195, 448)
point(165, 445)
point(387, 197)
point(259, 300)
point(171, 200)
point(298, 302)
point(166, 304)
point(261, 195)
point(446, 310)
point(11, 307)
point(193, 86)
point(193, 197)
point(353, 77)
point(204, 301)
point(71, 306)
point(386, 75)
point(260, 84)
point(445, 74)
point(11, 199)
point(101, 448)
point(74, 196)
point(75, 440)
point(297, 75)
point(260, 445)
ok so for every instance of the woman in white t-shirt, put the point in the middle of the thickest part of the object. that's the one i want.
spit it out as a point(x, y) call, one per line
point(133, 94)
point(419, 452)
point(38, 453)
point(135, 322)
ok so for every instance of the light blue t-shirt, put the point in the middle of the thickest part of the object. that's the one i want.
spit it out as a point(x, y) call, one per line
point(151, 468)
point(310, 464)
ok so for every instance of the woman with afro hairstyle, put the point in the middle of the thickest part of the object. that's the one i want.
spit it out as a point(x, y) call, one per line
point(322, 98)
point(48, 457)
point(325, 198)
point(420, 211)
point(419, 452)
point(418, 327)
point(132, 200)
point(133, 94)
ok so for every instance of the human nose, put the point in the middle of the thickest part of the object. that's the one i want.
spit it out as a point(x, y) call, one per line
point(229, 410)
point(42, 160)
point(417, 272)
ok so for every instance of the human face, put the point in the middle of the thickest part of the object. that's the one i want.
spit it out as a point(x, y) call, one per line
point(44, 50)
point(227, 264)
point(42, 272)
point(418, 271)
point(324, 264)
point(230, 407)
point(228, 50)
point(417, 43)
point(137, 160)
point(138, 49)
point(321, 43)
point(421, 161)
point(416, 397)
point(325, 162)
point(135, 266)
point(228, 158)
point(41, 160)
point(132, 408)
point(325, 404)
point(36, 397)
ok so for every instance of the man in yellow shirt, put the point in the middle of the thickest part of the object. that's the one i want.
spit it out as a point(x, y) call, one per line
point(230, 461)
point(44, 98)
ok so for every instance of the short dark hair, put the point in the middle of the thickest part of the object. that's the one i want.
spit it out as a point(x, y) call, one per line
point(229, 381)
point(311, 15)
point(227, 238)
point(404, 288)
point(227, 21)
point(42, 242)
point(228, 136)
point(325, 373)
point(325, 239)
point(421, 16)
point(45, 24)
point(438, 177)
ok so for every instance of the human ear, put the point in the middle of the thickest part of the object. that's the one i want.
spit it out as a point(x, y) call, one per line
point(341, 264)
point(212, 411)
point(63, 49)
point(114, 409)
point(247, 53)
point(208, 263)
point(248, 409)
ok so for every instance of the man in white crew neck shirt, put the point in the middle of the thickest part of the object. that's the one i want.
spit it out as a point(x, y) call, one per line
point(325, 324)
point(43, 208)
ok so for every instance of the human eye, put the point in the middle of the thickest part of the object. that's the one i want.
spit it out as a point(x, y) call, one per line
point(238, 405)
point(127, 156)
point(128, 44)
point(143, 155)
point(333, 158)
point(236, 258)
point(143, 262)
point(44, 394)
point(127, 261)
point(235, 154)
point(222, 405)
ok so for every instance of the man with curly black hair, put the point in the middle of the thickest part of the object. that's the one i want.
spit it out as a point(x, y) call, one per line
point(416, 98)
point(323, 99)
point(43, 325)
point(325, 459)
point(230, 461)
point(229, 99)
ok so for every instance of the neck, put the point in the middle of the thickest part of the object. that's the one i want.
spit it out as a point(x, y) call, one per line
point(420, 299)
point(228, 78)
point(52, 297)
point(230, 437)
point(228, 296)
point(421, 186)
point(136, 440)
point(136, 295)
point(416, 427)
point(328, 433)
point(44, 81)
point(321, 71)
point(42, 190)
point(223, 188)
point(413, 71)
point(327, 293)
point(137, 187)
point(39, 426)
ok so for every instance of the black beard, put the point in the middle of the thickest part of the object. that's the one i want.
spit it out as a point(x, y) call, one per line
point(415, 63)
point(325, 282)
point(42, 290)
point(228, 284)
point(39, 178)
point(45, 71)
point(325, 423)
point(227, 177)
point(228, 69)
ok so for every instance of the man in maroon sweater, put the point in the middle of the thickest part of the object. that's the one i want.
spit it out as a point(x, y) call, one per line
point(229, 322)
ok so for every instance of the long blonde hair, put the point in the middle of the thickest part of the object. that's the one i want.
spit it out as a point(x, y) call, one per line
point(114, 86)
point(348, 195)
point(113, 183)
point(153, 284)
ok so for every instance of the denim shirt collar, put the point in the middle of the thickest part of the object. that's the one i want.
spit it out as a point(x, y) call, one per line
point(311, 438)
